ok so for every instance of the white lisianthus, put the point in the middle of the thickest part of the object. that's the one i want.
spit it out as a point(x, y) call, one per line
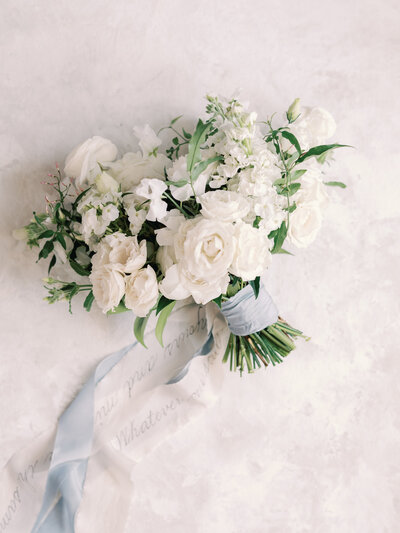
point(82, 162)
point(108, 287)
point(313, 127)
point(226, 206)
point(178, 172)
point(305, 222)
point(121, 252)
point(312, 189)
point(106, 183)
point(141, 291)
point(133, 167)
point(148, 140)
point(252, 256)
point(208, 249)
point(153, 189)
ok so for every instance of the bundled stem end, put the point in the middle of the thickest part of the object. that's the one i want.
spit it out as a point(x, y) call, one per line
point(269, 345)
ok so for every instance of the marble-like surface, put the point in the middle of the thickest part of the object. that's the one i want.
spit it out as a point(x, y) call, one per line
point(311, 446)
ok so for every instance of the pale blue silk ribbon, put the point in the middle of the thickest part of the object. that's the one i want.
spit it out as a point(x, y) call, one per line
point(72, 448)
point(74, 436)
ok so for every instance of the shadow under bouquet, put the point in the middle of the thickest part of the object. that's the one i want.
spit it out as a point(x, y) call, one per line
point(201, 219)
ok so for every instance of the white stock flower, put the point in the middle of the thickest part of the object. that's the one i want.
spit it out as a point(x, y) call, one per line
point(141, 291)
point(153, 189)
point(108, 287)
point(208, 249)
point(252, 256)
point(136, 218)
point(304, 224)
point(226, 206)
point(121, 252)
point(148, 140)
point(82, 162)
point(133, 167)
point(106, 183)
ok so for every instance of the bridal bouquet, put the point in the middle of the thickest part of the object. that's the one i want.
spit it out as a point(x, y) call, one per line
point(200, 219)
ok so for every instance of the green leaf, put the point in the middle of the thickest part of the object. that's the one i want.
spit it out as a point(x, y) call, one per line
point(198, 138)
point(46, 234)
point(256, 222)
point(52, 263)
point(335, 184)
point(319, 150)
point(282, 251)
point(292, 139)
point(175, 120)
point(87, 304)
point(175, 141)
point(279, 238)
point(162, 303)
point(120, 308)
point(293, 188)
point(61, 240)
point(162, 320)
point(47, 248)
point(79, 269)
point(79, 197)
point(139, 326)
point(179, 183)
point(200, 167)
point(218, 300)
point(296, 174)
point(186, 134)
point(255, 284)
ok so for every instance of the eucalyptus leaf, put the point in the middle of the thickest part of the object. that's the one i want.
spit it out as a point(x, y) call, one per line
point(162, 320)
point(296, 174)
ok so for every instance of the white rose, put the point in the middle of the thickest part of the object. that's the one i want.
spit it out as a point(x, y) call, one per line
point(82, 162)
point(141, 291)
point(108, 287)
point(179, 172)
point(179, 284)
point(252, 256)
point(304, 224)
point(165, 257)
point(123, 253)
point(148, 140)
point(133, 167)
point(227, 206)
point(106, 183)
point(208, 249)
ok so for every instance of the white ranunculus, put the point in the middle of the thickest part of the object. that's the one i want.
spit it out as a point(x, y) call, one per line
point(133, 167)
point(141, 291)
point(108, 287)
point(153, 189)
point(304, 224)
point(208, 249)
point(82, 162)
point(121, 252)
point(203, 290)
point(148, 140)
point(252, 256)
point(179, 172)
point(226, 206)
point(106, 183)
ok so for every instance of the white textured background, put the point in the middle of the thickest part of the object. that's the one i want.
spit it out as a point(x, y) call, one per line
point(311, 446)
